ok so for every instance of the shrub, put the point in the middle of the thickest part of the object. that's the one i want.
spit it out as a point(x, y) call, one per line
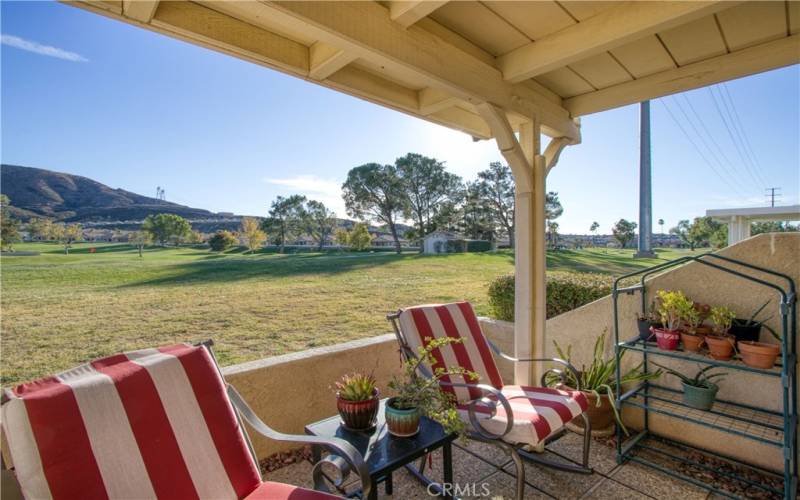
point(455, 246)
point(478, 246)
point(222, 240)
point(565, 292)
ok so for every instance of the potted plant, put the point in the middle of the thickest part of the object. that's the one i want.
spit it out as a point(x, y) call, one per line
point(758, 354)
point(598, 383)
point(750, 329)
point(720, 343)
point(646, 322)
point(699, 391)
point(690, 316)
point(672, 306)
point(357, 400)
point(703, 312)
point(418, 395)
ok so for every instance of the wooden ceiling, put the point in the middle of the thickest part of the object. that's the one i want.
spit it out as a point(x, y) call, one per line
point(437, 60)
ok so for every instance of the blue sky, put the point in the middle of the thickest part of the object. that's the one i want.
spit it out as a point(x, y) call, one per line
point(91, 96)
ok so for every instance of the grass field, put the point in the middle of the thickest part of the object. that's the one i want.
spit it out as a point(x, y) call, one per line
point(60, 310)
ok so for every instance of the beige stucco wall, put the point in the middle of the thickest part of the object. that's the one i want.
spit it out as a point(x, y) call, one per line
point(292, 390)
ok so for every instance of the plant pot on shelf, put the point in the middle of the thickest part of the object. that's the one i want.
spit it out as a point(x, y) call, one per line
point(667, 340)
point(692, 341)
point(701, 398)
point(646, 329)
point(759, 354)
point(720, 347)
point(744, 332)
point(358, 415)
point(703, 330)
point(401, 422)
point(601, 417)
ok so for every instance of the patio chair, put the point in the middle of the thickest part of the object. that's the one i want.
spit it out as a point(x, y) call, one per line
point(154, 423)
point(515, 418)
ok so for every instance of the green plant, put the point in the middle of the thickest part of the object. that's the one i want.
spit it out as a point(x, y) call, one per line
point(672, 307)
point(424, 393)
point(651, 315)
point(701, 379)
point(751, 321)
point(723, 319)
point(356, 386)
point(690, 316)
point(221, 241)
point(600, 376)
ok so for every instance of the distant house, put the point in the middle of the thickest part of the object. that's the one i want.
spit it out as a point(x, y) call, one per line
point(383, 240)
point(447, 242)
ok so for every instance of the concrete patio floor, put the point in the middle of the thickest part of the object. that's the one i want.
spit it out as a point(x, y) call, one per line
point(609, 480)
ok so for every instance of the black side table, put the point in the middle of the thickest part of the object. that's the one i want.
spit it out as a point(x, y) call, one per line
point(385, 453)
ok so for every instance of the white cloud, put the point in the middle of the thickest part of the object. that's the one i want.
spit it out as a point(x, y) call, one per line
point(38, 48)
point(328, 191)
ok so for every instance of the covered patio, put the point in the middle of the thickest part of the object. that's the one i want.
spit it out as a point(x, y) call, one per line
point(514, 72)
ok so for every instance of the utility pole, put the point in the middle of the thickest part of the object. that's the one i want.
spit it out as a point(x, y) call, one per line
point(772, 194)
point(645, 190)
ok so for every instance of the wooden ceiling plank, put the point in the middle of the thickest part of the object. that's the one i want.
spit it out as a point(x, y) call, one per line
point(694, 41)
point(483, 27)
point(644, 57)
point(752, 23)
point(534, 19)
point(609, 29)
point(140, 10)
point(601, 71)
point(793, 12)
point(366, 30)
point(406, 13)
point(752, 60)
point(325, 60)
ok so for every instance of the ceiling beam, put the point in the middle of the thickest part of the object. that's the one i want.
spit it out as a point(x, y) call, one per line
point(406, 13)
point(433, 100)
point(141, 10)
point(325, 60)
point(611, 28)
point(366, 30)
point(749, 61)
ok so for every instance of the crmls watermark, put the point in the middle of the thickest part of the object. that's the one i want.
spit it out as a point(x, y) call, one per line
point(460, 490)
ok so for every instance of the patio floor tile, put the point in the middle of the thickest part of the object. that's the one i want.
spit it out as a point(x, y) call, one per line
point(609, 488)
point(656, 484)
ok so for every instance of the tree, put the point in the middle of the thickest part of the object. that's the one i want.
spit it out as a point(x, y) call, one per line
point(319, 222)
point(552, 206)
point(9, 226)
point(252, 234)
point(661, 223)
point(624, 231)
point(376, 192)
point(476, 218)
point(166, 228)
point(195, 237)
point(66, 234)
point(359, 237)
point(140, 239)
point(696, 233)
point(496, 188)
point(222, 240)
point(552, 233)
point(593, 229)
point(285, 219)
point(429, 190)
point(342, 237)
point(772, 227)
point(40, 229)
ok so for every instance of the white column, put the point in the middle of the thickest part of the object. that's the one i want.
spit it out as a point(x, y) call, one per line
point(738, 229)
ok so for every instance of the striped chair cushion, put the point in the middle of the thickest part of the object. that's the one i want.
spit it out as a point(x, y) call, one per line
point(538, 413)
point(419, 324)
point(144, 424)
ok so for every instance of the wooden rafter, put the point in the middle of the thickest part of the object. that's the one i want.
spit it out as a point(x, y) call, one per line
point(407, 13)
point(140, 10)
point(614, 27)
point(325, 60)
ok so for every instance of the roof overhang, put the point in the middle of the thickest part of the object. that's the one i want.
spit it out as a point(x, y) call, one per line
point(790, 212)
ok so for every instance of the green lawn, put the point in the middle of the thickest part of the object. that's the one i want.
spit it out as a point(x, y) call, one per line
point(60, 310)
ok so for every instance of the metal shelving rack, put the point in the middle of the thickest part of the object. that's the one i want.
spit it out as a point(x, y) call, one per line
point(774, 428)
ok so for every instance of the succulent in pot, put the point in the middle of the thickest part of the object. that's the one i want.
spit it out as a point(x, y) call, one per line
point(699, 391)
point(646, 322)
point(692, 340)
point(720, 343)
point(598, 383)
point(419, 395)
point(750, 328)
point(672, 306)
point(357, 400)
point(758, 354)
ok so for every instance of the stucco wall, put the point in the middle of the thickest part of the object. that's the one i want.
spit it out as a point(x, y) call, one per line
point(292, 390)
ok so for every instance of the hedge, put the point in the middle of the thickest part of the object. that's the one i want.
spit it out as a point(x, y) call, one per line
point(478, 245)
point(565, 291)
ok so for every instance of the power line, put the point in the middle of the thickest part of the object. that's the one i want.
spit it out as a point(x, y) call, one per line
point(748, 146)
point(735, 142)
point(703, 156)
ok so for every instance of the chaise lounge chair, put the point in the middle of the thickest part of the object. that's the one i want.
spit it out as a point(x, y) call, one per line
point(515, 418)
point(155, 423)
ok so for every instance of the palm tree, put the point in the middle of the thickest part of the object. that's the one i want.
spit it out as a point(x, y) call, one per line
point(593, 230)
point(661, 223)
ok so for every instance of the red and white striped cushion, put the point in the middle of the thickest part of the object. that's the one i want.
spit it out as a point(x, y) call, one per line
point(538, 412)
point(144, 424)
point(457, 320)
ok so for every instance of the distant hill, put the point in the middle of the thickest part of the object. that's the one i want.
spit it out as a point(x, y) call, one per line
point(36, 192)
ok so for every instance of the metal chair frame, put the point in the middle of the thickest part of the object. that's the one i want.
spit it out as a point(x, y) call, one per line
point(342, 457)
point(478, 433)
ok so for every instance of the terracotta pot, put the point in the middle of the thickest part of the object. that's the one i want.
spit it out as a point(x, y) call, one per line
point(691, 341)
point(667, 340)
point(703, 330)
point(720, 347)
point(401, 423)
point(602, 417)
point(358, 415)
point(759, 354)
